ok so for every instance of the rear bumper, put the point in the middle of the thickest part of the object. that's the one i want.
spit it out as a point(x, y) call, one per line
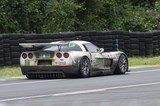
point(49, 69)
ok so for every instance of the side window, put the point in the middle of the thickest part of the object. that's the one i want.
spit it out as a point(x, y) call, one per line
point(90, 47)
point(76, 48)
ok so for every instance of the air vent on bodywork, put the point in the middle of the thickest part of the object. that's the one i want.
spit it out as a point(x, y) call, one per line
point(109, 62)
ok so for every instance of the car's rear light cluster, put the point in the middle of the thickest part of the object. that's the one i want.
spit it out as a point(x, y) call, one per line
point(65, 55)
point(59, 55)
point(24, 55)
point(29, 55)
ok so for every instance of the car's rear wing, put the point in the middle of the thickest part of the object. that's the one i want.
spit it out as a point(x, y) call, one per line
point(33, 45)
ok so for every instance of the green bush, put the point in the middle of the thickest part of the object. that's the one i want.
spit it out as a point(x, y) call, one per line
point(47, 16)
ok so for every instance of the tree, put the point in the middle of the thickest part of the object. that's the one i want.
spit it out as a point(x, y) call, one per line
point(61, 15)
point(47, 16)
point(90, 16)
point(22, 16)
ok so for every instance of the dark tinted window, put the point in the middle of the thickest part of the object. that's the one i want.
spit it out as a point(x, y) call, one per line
point(62, 48)
point(91, 47)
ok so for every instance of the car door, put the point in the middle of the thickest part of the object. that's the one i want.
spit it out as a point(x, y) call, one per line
point(98, 60)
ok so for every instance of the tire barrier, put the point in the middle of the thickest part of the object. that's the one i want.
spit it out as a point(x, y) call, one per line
point(132, 43)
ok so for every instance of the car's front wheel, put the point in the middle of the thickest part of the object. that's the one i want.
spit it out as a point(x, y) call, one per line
point(122, 65)
point(85, 67)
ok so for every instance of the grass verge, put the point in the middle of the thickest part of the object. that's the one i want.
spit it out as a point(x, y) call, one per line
point(140, 61)
point(10, 71)
point(14, 71)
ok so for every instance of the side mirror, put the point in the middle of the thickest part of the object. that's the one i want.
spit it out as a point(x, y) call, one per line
point(100, 50)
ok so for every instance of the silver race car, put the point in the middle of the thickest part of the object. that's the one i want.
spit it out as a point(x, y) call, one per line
point(70, 58)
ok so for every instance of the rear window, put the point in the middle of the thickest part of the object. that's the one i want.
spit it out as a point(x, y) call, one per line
point(62, 48)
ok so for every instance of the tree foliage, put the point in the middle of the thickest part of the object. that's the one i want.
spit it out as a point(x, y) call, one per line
point(61, 15)
point(47, 16)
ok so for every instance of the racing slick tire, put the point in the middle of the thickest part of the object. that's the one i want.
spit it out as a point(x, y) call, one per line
point(85, 67)
point(122, 65)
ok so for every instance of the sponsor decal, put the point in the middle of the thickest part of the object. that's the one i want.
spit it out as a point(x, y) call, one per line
point(99, 60)
point(44, 55)
point(71, 44)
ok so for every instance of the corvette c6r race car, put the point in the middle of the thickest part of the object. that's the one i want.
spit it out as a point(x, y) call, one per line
point(70, 58)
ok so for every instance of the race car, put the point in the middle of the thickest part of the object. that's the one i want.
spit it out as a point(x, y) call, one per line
point(70, 58)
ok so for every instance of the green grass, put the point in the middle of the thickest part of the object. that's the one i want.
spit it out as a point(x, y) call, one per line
point(138, 61)
point(14, 71)
point(10, 71)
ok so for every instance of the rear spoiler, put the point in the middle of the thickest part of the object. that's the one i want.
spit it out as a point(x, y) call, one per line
point(33, 45)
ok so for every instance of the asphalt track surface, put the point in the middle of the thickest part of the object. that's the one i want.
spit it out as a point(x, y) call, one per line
point(140, 87)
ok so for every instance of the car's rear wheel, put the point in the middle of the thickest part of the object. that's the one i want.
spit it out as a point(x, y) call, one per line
point(85, 67)
point(122, 65)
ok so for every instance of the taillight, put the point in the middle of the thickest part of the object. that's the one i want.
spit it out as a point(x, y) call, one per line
point(30, 55)
point(59, 55)
point(66, 55)
point(24, 55)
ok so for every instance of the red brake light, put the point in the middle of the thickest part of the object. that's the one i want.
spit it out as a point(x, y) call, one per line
point(30, 55)
point(24, 55)
point(66, 55)
point(59, 55)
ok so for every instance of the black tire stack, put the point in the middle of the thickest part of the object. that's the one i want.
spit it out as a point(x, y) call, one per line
point(156, 43)
point(93, 36)
point(6, 49)
point(159, 41)
point(67, 36)
point(1, 51)
point(142, 45)
point(14, 48)
point(83, 35)
point(78, 35)
point(54, 37)
point(21, 40)
point(44, 38)
point(134, 44)
point(120, 37)
point(127, 45)
point(106, 41)
point(149, 43)
point(30, 38)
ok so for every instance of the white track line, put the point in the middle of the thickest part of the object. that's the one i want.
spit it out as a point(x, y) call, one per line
point(144, 66)
point(79, 92)
point(32, 82)
point(134, 72)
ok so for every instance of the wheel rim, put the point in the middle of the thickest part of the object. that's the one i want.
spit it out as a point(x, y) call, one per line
point(123, 63)
point(85, 68)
